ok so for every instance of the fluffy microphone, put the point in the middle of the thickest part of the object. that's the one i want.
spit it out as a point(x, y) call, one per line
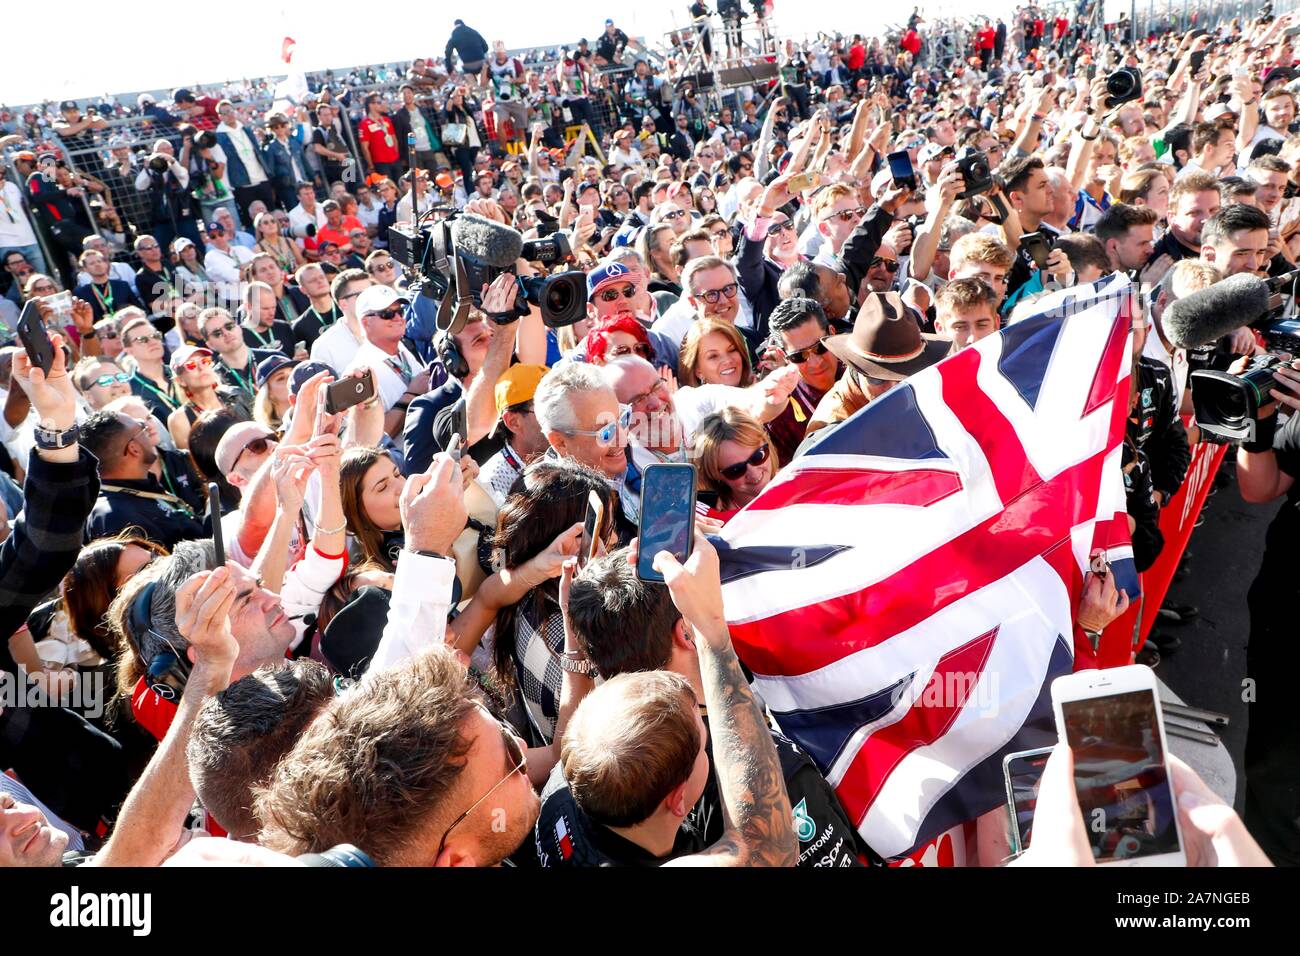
point(491, 243)
point(1208, 315)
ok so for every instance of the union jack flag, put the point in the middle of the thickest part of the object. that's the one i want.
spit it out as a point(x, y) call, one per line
point(904, 591)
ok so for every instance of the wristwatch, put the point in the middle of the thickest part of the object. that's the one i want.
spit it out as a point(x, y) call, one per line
point(575, 663)
point(51, 440)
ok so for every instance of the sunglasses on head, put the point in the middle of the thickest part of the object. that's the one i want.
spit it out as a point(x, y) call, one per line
point(799, 356)
point(891, 265)
point(732, 472)
point(614, 294)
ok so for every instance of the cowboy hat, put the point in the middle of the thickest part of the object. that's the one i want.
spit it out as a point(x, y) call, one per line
point(886, 341)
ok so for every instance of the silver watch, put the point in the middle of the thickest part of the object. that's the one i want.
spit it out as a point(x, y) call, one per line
point(576, 665)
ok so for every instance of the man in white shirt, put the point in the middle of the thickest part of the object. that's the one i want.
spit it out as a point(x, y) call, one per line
point(423, 198)
point(337, 346)
point(399, 375)
point(306, 213)
point(116, 270)
point(224, 262)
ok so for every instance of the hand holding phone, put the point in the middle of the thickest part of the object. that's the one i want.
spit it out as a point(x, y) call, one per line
point(348, 391)
point(593, 528)
point(214, 513)
point(901, 169)
point(36, 340)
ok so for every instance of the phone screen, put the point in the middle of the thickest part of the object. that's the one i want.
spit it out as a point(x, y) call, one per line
point(667, 516)
point(1023, 773)
point(900, 168)
point(1120, 775)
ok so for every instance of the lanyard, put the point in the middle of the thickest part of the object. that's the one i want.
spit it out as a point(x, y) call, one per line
point(400, 366)
point(241, 380)
point(287, 309)
point(168, 397)
point(261, 339)
point(508, 454)
point(325, 323)
point(105, 301)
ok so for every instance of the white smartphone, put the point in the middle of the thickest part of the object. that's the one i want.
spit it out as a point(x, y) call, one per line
point(1111, 719)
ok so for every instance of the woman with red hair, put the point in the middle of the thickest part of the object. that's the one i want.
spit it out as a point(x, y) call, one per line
point(619, 335)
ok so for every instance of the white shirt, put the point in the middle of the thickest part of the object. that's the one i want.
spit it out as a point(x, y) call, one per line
point(1175, 361)
point(299, 218)
point(392, 386)
point(680, 316)
point(337, 346)
point(417, 609)
point(116, 270)
point(693, 402)
point(247, 154)
point(426, 203)
point(369, 215)
point(223, 269)
point(15, 230)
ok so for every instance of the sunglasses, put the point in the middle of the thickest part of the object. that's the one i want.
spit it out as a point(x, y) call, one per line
point(607, 434)
point(257, 446)
point(799, 356)
point(390, 314)
point(225, 329)
point(640, 349)
point(849, 215)
point(382, 266)
point(778, 227)
point(613, 295)
point(674, 214)
point(193, 365)
point(150, 337)
point(517, 765)
point(891, 265)
point(106, 380)
point(107, 334)
point(733, 472)
point(713, 295)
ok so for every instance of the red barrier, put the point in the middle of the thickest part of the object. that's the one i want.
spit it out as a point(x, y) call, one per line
point(1176, 521)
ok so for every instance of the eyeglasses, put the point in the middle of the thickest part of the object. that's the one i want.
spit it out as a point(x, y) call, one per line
point(660, 387)
point(732, 472)
point(225, 329)
point(106, 380)
point(607, 434)
point(713, 295)
point(778, 227)
point(641, 349)
point(613, 295)
point(148, 337)
point(390, 314)
point(799, 356)
point(257, 446)
point(891, 265)
point(849, 215)
point(518, 763)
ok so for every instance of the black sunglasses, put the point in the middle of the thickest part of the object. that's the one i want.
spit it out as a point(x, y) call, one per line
point(732, 472)
point(613, 295)
point(891, 265)
point(799, 356)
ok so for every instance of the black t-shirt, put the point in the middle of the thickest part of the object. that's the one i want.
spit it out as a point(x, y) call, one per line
point(444, 426)
point(278, 338)
point(1279, 542)
point(826, 839)
point(153, 285)
point(311, 324)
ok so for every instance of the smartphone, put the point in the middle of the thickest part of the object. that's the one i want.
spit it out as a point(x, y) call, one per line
point(900, 168)
point(1195, 60)
point(801, 182)
point(593, 526)
point(1021, 771)
point(349, 391)
point(1112, 721)
point(35, 339)
point(1091, 72)
point(1038, 246)
point(214, 514)
point(667, 516)
point(460, 420)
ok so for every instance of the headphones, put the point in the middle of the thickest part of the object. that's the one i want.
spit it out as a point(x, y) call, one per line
point(168, 670)
point(449, 354)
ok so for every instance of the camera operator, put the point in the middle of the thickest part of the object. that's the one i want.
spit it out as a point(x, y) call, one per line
point(171, 213)
point(207, 171)
point(1268, 468)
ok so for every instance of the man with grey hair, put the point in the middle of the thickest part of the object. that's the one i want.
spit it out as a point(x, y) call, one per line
point(144, 614)
point(578, 413)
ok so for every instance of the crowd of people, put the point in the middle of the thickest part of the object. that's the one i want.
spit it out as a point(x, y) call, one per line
point(397, 647)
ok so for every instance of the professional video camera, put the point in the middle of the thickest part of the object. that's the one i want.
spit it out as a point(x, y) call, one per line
point(452, 259)
point(1227, 406)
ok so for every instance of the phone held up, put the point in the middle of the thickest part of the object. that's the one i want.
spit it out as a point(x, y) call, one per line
point(667, 516)
point(348, 391)
point(35, 338)
point(1112, 721)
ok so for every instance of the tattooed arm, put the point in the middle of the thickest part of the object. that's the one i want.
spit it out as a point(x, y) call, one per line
point(756, 808)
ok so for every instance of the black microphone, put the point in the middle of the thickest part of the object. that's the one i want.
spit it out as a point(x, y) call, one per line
point(1209, 314)
point(491, 243)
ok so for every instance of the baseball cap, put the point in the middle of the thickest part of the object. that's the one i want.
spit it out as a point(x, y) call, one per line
point(584, 186)
point(376, 299)
point(235, 440)
point(305, 371)
point(929, 151)
point(68, 105)
point(611, 272)
point(26, 155)
point(184, 354)
point(269, 366)
point(514, 387)
point(182, 95)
